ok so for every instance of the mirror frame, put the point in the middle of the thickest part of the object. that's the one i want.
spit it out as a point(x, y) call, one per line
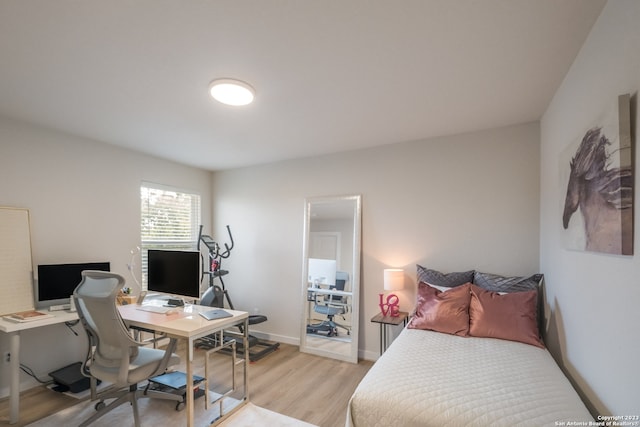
point(355, 283)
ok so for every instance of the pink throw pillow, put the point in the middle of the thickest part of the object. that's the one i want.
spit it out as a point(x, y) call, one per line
point(440, 311)
point(511, 316)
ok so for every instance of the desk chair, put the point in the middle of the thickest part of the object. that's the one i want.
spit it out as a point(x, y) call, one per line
point(331, 306)
point(113, 355)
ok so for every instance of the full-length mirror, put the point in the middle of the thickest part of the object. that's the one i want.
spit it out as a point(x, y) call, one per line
point(331, 277)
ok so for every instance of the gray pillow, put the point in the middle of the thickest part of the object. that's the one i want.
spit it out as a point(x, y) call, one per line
point(448, 280)
point(497, 283)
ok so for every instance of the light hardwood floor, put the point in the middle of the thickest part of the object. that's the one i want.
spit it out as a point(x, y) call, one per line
point(303, 386)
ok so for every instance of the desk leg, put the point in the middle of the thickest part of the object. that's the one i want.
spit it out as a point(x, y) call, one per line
point(189, 389)
point(245, 340)
point(14, 387)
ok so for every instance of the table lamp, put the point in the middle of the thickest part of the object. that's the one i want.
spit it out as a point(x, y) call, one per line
point(393, 281)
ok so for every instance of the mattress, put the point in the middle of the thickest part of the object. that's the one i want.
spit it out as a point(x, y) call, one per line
point(429, 378)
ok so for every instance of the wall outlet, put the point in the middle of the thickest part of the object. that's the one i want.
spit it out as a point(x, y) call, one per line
point(6, 357)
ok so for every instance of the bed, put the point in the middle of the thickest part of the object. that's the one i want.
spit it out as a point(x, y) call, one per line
point(452, 378)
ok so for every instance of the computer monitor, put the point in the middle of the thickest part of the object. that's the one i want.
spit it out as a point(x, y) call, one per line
point(174, 272)
point(322, 271)
point(56, 282)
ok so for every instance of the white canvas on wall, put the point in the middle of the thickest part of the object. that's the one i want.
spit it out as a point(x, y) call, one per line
point(597, 172)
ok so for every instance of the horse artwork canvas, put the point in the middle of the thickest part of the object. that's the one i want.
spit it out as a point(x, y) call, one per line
point(597, 214)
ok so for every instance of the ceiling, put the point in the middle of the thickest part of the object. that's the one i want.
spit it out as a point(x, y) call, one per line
point(330, 75)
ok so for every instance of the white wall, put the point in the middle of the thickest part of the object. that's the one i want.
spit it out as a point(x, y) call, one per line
point(594, 330)
point(452, 203)
point(84, 202)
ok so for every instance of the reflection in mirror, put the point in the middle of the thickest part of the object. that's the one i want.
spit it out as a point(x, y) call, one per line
point(331, 277)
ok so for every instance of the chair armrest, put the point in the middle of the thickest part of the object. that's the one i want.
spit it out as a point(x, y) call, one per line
point(123, 372)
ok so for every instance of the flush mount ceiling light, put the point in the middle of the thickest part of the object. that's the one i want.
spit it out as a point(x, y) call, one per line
point(232, 92)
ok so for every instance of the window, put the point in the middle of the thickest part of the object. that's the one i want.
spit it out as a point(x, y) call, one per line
point(169, 219)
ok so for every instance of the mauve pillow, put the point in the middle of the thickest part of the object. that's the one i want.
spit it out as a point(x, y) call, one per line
point(446, 312)
point(509, 317)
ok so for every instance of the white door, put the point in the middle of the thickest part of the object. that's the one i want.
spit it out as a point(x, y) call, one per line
point(325, 245)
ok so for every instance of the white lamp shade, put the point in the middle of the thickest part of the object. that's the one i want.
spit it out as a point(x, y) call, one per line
point(393, 279)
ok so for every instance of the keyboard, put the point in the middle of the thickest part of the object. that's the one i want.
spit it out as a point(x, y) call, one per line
point(154, 309)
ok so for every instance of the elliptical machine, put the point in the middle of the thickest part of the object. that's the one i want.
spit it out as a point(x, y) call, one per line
point(215, 296)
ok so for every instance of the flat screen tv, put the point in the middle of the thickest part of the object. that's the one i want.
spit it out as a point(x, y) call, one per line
point(56, 282)
point(174, 272)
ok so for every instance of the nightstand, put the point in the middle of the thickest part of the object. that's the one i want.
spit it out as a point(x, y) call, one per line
point(384, 322)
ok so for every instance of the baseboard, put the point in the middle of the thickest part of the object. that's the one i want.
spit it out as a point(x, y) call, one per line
point(27, 384)
point(274, 337)
point(371, 356)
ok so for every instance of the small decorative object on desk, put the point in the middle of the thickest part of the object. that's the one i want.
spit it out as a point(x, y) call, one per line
point(27, 316)
point(393, 280)
point(125, 297)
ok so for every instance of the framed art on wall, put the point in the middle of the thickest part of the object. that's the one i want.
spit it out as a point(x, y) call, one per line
point(597, 172)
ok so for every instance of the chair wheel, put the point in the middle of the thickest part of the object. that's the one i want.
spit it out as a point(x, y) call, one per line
point(100, 405)
point(180, 406)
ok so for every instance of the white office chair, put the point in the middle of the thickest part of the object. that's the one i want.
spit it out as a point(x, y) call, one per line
point(114, 356)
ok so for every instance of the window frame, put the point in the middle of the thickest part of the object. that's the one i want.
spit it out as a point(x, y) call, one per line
point(180, 243)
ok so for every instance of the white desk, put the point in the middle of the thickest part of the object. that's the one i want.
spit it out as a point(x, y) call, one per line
point(187, 324)
point(13, 330)
point(325, 291)
point(311, 291)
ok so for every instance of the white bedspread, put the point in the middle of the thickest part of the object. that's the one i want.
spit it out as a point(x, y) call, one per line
point(432, 379)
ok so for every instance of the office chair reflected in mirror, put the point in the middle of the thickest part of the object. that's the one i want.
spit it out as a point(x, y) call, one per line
point(113, 355)
point(331, 306)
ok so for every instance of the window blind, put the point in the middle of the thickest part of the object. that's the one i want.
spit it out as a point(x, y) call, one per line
point(170, 220)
